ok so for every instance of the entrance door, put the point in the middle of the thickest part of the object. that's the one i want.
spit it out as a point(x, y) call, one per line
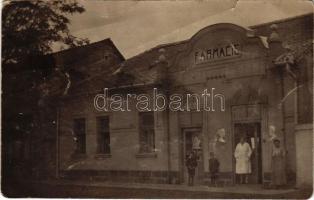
point(252, 133)
point(192, 140)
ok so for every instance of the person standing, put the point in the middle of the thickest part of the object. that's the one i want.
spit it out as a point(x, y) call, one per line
point(191, 164)
point(242, 155)
point(213, 168)
point(278, 176)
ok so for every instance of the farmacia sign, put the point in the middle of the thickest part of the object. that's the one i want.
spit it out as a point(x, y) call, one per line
point(207, 55)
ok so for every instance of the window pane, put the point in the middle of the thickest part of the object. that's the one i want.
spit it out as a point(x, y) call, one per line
point(106, 142)
point(147, 133)
point(103, 135)
point(147, 118)
point(79, 131)
point(151, 139)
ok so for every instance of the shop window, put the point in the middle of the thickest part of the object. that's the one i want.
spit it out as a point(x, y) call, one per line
point(147, 132)
point(80, 135)
point(103, 135)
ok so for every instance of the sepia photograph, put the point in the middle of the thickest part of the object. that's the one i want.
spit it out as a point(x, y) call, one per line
point(163, 99)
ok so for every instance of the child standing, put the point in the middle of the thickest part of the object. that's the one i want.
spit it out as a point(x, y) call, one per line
point(191, 164)
point(213, 168)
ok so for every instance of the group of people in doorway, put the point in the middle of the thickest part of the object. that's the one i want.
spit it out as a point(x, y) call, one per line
point(243, 154)
point(243, 169)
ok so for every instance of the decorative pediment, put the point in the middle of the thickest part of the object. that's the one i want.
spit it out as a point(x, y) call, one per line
point(227, 28)
point(221, 43)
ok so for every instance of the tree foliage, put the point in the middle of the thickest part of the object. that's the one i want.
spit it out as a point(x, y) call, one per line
point(29, 28)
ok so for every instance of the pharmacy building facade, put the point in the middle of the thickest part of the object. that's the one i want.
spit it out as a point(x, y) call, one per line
point(258, 81)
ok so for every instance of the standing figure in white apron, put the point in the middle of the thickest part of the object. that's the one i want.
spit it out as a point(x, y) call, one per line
point(242, 155)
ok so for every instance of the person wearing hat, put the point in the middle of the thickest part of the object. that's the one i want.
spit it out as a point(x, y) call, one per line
point(278, 175)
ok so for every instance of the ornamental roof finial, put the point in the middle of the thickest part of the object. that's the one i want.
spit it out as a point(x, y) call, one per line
point(162, 56)
point(274, 35)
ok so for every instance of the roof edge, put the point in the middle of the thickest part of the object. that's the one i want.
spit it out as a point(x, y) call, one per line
point(281, 20)
point(91, 44)
point(248, 27)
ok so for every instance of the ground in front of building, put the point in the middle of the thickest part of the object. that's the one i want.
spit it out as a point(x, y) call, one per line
point(80, 189)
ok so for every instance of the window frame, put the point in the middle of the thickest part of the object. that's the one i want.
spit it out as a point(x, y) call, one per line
point(141, 129)
point(100, 137)
point(77, 135)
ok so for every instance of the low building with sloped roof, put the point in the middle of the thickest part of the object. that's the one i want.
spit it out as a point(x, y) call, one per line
point(137, 119)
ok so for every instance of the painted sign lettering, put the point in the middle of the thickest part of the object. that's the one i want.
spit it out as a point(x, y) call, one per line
point(203, 56)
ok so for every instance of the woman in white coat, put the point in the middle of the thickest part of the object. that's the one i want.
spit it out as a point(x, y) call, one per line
point(242, 155)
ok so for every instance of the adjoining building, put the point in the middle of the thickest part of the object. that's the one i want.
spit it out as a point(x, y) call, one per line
point(263, 74)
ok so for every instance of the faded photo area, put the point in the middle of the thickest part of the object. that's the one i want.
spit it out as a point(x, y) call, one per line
point(157, 99)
